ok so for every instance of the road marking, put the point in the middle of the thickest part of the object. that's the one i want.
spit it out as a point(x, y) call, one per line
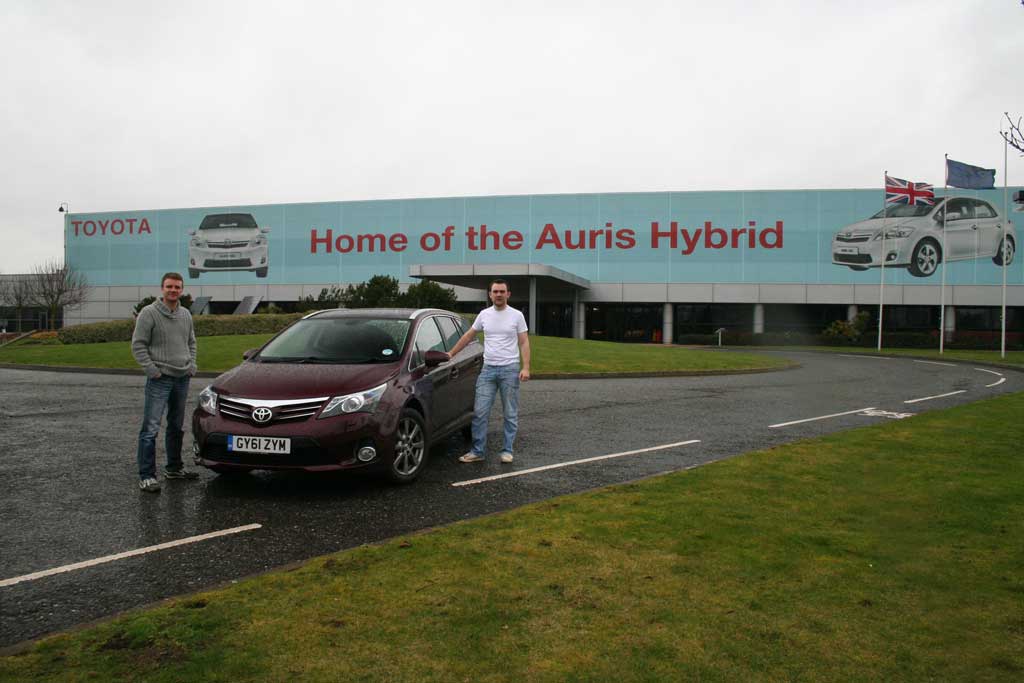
point(933, 362)
point(520, 473)
point(820, 417)
point(846, 355)
point(129, 553)
point(993, 372)
point(928, 398)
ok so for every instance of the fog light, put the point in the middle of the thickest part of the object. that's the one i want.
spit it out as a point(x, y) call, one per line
point(891, 256)
point(366, 453)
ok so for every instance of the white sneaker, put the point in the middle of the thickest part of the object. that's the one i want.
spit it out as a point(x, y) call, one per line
point(149, 485)
point(470, 457)
point(506, 457)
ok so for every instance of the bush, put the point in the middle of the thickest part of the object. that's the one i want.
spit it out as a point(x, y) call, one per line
point(185, 300)
point(842, 332)
point(205, 326)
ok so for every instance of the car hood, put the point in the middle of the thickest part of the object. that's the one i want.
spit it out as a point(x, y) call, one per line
point(221, 234)
point(298, 380)
point(874, 225)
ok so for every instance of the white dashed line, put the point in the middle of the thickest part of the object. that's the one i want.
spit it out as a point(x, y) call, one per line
point(846, 355)
point(572, 462)
point(820, 417)
point(935, 362)
point(129, 553)
point(928, 398)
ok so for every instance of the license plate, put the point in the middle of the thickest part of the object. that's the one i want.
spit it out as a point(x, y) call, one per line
point(227, 257)
point(260, 444)
point(847, 250)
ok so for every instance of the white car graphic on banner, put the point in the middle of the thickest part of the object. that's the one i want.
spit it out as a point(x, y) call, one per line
point(228, 241)
point(913, 236)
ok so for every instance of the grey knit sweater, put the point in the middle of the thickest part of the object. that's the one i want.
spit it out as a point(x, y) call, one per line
point(164, 342)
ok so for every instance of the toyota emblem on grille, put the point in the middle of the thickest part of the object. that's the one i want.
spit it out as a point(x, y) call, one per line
point(262, 414)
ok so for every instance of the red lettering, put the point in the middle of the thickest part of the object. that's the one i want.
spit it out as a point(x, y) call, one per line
point(76, 224)
point(549, 236)
point(512, 240)
point(344, 243)
point(657, 234)
point(448, 233)
point(89, 228)
point(117, 226)
point(714, 238)
point(398, 242)
point(430, 241)
point(315, 239)
point(777, 232)
point(370, 242)
point(690, 240)
point(144, 226)
point(625, 238)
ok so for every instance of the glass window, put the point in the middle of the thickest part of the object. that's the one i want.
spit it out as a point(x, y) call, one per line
point(428, 338)
point(983, 209)
point(228, 220)
point(338, 340)
point(961, 207)
point(449, 330)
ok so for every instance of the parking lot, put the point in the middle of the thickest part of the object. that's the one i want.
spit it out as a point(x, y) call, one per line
point(68, 493)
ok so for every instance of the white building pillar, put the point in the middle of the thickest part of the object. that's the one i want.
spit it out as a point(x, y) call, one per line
point(667, 323)
point(950, 323)
point(851, 313)
point(758, 318)
point(579, 315)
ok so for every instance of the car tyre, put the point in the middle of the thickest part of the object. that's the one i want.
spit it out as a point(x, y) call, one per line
point(410, 448)
point(926, 258)
point(1010, 248)
point(193, 273)
point(261, 272)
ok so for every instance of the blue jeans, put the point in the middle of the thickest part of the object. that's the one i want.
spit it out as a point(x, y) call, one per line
point(164, 394)
point(492, 380)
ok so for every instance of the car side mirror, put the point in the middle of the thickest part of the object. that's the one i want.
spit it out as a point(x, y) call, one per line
point(435, 358)
point(249, 353)
point(265, 230)
point(191, 233)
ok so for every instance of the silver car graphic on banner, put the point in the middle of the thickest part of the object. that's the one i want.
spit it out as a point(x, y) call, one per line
point(913, 236)
point(226, 242)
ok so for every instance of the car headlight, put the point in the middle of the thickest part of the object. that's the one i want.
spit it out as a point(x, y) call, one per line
point(360, 402)
point(198, 243)
point(260, 241)
point(208, 400)
point(894, 233)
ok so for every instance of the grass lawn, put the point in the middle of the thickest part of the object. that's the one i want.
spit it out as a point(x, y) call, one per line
point(550, 355)
point(892, 552)
point(1012, 357)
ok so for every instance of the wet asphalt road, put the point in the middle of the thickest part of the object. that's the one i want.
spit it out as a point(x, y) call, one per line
point(68, 489)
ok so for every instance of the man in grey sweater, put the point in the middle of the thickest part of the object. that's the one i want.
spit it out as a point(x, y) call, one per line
point(164, 344)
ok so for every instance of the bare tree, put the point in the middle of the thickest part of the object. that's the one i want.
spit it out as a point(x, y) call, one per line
point(55, 285)
point(16, 293)
point(1014, 135)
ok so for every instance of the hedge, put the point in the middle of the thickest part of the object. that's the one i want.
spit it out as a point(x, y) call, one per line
point(205, 325)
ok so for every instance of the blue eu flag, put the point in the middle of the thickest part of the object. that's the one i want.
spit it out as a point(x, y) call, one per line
point(969, 177)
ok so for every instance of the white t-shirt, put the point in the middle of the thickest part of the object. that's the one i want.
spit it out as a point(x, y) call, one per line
point(501, 334)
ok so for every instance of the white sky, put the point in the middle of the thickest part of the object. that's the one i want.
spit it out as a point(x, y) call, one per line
point(146, 105)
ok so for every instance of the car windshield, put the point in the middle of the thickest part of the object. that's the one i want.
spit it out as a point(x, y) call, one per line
point(907, 210)
point(228, 220)
point(338, 340)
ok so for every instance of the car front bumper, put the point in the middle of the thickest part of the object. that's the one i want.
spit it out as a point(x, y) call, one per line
point(868, 254)
point(244, 258)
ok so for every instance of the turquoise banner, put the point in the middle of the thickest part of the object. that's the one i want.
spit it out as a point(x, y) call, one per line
point(806, 236)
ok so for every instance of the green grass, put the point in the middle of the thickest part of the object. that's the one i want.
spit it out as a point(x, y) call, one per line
point(887, 553)
point(1012, 357)
point(550, 355)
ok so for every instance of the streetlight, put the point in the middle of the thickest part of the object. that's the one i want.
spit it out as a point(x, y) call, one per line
point(63, 208)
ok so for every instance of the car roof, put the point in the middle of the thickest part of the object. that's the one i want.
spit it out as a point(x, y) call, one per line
point(387, 313)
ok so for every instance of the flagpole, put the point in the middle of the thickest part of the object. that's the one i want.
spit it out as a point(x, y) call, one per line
point(881, 286)
point(942, 286)
point(1006, 225)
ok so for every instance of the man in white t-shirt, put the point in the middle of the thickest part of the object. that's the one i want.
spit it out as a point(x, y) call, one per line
point(505, 339)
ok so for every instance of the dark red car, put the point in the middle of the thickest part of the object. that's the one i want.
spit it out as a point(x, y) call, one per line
point(342, 389)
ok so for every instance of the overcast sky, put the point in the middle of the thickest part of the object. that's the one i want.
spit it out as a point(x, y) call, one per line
point(148, 105)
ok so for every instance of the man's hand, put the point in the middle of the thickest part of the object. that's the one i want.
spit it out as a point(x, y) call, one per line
point(524, 375)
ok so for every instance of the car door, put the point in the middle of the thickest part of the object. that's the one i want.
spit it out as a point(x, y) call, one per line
point(989, 229)
point(442, 402)
point(960, 230)
point(466, 365)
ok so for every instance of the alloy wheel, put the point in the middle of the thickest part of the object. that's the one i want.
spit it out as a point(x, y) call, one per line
point(409, 446)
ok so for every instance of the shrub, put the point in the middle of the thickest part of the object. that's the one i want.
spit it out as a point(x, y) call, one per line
point(205, 326)
point(185, 300)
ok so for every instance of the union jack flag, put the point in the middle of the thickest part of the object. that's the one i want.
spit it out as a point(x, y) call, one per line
point(899, 191)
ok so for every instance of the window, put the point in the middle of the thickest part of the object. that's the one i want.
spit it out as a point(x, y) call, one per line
point(449, 330)
point(983, 209)
point(961, 207)
point(428, 338)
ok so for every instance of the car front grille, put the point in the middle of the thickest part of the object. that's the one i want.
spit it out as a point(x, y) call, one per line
point(852, 238)
point(283, 411)
point(228, 244)
point(227, 263)
point(852, 258)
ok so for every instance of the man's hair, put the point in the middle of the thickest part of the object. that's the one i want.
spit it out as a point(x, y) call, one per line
point(498, 282)
point(171, 276)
